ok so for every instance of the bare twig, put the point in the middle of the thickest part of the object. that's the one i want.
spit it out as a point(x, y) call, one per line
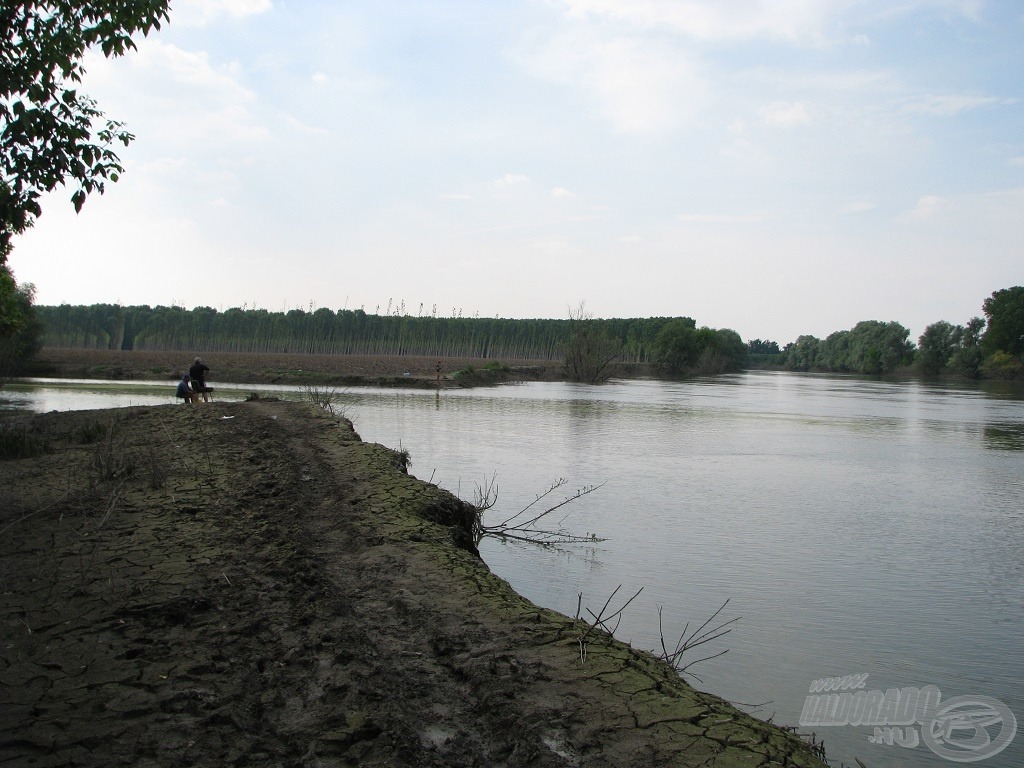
point(523, 525)
point(600, 620)
point(705, 633)
point(34, 512)
point(326, 398)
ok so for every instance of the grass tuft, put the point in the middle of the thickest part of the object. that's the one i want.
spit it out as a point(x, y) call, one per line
point(19, 440)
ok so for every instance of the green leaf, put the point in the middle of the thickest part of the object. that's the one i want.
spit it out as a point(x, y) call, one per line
point(48, 128)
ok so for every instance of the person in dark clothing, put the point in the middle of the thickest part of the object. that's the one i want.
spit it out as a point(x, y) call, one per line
point(185, 390)
point(198, 373)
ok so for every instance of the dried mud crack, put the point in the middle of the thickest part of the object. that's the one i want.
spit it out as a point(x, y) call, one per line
point(251, 584)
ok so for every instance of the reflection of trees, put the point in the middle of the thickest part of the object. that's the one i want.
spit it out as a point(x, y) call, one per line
point(1004, 437)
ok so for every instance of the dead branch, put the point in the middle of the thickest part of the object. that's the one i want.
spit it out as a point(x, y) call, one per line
point(524, 524)
point(705, 633)
point(587, 629)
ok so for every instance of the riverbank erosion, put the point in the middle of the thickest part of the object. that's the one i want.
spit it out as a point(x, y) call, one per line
point(251, 584)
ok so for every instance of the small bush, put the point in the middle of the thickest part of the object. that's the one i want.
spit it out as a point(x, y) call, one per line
point(1002, 365)
point(156, 468)
point(111, 458)
point(402, 459)
point(326, 398)
point(91, 432)
point(18, 440)
point(489, 373)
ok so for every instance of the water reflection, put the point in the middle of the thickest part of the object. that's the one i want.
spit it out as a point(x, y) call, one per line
point(1004, 437)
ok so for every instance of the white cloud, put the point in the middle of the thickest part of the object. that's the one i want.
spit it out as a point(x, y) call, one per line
point(182, 94)
point(192, 68)
point(735, 20)
point(200, 13)
point(300, 127)
point(858, 206)
point(155, 60)
point(561, 192)
point(785, 113)
point(640, 85)
point(510, 180)
point(948, 104)
point(553, 247)
point(721, 218)
point(164, 166)
point(930, 206)
point(750, 156)
point(643, 90)
point(318, 78)
point(842, 81)
point(1018, 161)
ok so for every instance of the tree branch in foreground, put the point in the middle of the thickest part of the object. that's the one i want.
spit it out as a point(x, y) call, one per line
point(525, 525)
point(600, 620)
point(705, 633)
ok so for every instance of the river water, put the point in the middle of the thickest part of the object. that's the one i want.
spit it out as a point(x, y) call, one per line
point(855, 527)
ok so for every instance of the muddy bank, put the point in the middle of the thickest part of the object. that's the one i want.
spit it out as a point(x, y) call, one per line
point(270, 368)
point(251, 584)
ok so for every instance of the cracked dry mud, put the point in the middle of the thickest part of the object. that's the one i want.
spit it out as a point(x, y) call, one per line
point(251, 584)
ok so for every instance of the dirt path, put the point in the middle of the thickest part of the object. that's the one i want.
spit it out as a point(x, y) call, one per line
point(250, 584)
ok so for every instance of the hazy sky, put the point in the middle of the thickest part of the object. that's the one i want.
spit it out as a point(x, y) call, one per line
point(777, 166)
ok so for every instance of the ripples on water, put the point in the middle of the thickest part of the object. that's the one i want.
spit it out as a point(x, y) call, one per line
point(856, 526)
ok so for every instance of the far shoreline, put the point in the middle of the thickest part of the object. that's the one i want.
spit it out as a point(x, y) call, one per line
point(389, 371)
point(301, 369)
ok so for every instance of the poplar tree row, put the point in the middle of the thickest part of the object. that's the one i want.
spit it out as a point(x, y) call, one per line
point(347, 332)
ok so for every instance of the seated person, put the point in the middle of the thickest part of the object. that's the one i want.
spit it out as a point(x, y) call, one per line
point(185, 390)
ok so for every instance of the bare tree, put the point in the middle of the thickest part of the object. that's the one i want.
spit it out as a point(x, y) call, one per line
point(590, 351)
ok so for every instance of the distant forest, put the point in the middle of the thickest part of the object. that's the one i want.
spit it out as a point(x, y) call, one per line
point(324, 331)
point(992, 347)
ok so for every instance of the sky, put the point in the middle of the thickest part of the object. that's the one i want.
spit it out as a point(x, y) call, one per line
point(778, 167)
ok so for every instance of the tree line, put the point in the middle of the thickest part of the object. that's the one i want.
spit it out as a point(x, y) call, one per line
point(325, 331)
point(992, 347)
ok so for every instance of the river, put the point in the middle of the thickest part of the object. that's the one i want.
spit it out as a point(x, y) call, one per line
point(855, 527)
